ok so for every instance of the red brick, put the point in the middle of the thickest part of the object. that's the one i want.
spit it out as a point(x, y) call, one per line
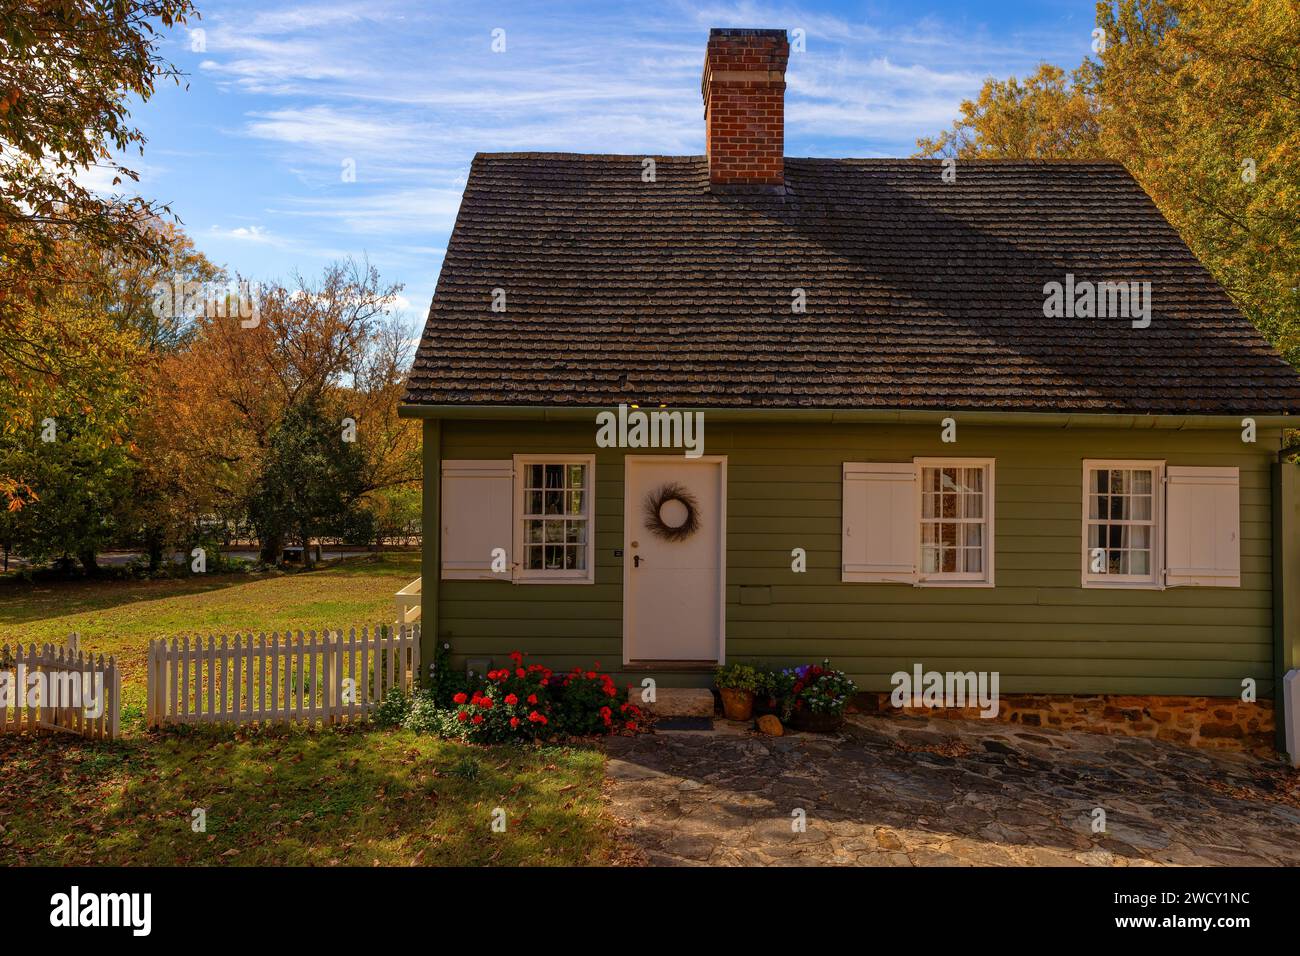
point(745, 118)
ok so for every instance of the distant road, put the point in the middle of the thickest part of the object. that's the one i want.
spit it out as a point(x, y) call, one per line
point(117, 559)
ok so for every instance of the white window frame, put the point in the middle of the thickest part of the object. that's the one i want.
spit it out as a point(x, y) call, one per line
point(1155, 580)
point(524, 575)
point(949, 579)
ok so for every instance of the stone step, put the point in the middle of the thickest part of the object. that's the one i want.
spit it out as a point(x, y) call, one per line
point(677, 702)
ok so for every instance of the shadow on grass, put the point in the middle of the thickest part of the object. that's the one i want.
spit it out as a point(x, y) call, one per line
point(341, 797)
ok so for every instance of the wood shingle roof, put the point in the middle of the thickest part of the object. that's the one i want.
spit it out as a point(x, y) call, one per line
point(920, 293)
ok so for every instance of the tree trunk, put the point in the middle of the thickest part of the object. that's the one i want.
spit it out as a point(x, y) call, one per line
point(88, 562)
point(154, 548)
point(271, 547)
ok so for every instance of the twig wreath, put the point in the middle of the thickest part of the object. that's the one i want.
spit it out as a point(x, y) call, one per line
point(654, 521)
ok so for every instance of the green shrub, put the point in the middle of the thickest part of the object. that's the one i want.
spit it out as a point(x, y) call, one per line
point(446, 682)
point(393, 710)
point(426, 717)
point(736, 677)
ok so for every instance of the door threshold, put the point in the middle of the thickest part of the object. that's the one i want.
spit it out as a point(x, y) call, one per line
point(670, 665)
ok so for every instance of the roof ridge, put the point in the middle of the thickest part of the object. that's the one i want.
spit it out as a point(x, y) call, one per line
point(881, 160)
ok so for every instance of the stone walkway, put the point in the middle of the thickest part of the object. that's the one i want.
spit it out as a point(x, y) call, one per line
point(918, 792)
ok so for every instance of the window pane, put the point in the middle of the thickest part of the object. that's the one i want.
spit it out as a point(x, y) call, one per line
point(533, 558)
point(1137, 536)
point(554, 557)
point(1139, 562)
point(1118, 484)
point(1140, 507)
point(554, 476)
point(554, 503)
point(575, 503)
point(929, 549)
point(533, 503)
point(554, 531)
point(533, 476)
point(577, 476)
point(575, 532)
point(1141, 482)
point(1099, 482)
point(533, 531)
point(953, 520)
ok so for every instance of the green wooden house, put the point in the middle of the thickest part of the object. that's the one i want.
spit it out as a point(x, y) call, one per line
point(680, 410)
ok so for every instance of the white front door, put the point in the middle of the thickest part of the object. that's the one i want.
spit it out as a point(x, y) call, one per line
point(674, 576)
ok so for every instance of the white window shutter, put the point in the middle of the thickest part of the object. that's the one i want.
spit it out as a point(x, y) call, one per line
point(880, 529)
point(477, 516)
point(1202, 527)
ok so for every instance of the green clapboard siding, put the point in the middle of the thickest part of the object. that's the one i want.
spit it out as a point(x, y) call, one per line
point(1038, 627)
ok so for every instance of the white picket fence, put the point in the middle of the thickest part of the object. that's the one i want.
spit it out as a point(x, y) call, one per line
point(46, 706)
point(281, 679)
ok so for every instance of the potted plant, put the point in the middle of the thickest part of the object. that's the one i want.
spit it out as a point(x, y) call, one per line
point(737, 683)
point(820, 696)
point(772, 695)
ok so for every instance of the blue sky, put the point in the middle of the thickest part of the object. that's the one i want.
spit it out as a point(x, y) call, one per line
point(252, 155)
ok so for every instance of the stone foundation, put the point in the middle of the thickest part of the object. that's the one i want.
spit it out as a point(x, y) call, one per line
point(1221, 723)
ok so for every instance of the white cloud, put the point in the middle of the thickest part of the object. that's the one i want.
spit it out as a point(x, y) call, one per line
point(429, 211)
point(410, 91)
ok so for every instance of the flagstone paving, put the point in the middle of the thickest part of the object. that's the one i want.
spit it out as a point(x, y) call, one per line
point(919, 792)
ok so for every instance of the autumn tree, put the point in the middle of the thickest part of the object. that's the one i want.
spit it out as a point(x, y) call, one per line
point(311, 481)
point(333, 344)
point(64, 427)
point(1048, 116)
point(69, 70)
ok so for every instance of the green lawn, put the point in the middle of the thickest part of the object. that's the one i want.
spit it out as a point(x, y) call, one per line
point(120, 617)
point(345, 796)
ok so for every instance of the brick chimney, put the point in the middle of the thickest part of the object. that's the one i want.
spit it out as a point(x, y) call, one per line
point(744, 109)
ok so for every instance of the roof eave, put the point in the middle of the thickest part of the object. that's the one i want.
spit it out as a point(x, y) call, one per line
point(570, 413)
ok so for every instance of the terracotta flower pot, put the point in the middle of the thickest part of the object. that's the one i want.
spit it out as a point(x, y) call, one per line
point(816, 723)
point(737, 704)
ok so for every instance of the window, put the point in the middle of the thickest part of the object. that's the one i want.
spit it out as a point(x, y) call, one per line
point(1121, 518)
point(955, 520)
point(926, 522)
point(554, 504)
